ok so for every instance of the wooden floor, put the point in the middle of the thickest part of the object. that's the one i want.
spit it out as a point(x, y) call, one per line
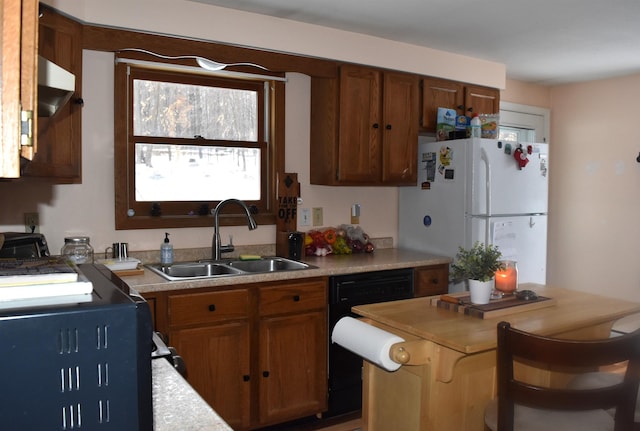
point(348, 422)
point(352, 425)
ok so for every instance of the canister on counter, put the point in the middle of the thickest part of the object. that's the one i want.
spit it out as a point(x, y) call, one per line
point(78, 249)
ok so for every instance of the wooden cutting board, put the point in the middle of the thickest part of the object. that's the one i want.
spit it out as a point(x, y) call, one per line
point(495, 308)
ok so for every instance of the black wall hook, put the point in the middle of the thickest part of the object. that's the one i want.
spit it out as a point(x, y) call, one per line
point(638, 158)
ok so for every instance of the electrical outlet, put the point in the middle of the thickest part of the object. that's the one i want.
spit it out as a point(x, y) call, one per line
point(32, 222)
point(317, 216)
point(305, 217)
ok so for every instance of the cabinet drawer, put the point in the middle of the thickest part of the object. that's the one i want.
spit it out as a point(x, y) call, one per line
point(206, 307)
point(293, 298)
point(431, 280)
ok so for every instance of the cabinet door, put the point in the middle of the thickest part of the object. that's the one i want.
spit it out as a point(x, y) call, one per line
point(293, 366)
point(18, 76)
point(59, 155)
point(217, 362)
point(431, 280)
point(359, 135)
point(400, 128)
point(440, 93)
point(481, 100)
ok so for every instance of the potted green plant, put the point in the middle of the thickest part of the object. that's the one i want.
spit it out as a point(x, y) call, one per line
point(478, 265)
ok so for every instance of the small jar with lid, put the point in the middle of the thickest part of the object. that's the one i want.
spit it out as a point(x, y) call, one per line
point(78, 249)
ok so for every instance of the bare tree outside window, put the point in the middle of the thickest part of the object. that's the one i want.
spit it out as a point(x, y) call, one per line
point(187, 167)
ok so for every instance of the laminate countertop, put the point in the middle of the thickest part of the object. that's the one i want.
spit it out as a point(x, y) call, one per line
point(177, 406)
point(379, 260)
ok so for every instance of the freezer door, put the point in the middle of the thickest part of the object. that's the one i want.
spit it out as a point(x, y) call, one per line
point(519, 238)
point(432, 215)
point(499, 186)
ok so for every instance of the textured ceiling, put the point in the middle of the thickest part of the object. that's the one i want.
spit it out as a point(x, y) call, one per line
point(541, 41)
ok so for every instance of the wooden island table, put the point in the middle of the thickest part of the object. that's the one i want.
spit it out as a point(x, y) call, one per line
point(451, 373)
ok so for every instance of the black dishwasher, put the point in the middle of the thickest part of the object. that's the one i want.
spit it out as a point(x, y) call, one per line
point(346, 291)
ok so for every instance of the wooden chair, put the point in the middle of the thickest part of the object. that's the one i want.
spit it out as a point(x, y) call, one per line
point(523, 406)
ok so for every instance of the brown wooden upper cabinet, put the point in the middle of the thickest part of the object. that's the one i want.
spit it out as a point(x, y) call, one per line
point(364, 128)
point(59, 156)
point(465, 99)
point(18, 77)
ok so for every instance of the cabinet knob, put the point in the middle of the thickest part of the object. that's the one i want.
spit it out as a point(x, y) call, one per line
point(212, 307)
point(470, 109)
point(460, 107)
point(434, 281)
point(388, 127)
point(246, 378)
point(265, 374)
point(376, 125)
point(296, 298)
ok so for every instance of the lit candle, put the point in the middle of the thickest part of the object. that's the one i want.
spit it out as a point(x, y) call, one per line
point(507, 278)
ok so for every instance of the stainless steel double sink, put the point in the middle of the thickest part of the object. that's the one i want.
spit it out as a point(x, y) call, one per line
point(226, 268)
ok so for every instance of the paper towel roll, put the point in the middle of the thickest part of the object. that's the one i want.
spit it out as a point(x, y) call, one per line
point(372, 343)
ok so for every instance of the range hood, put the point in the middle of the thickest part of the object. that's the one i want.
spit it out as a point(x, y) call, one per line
point(55, 87)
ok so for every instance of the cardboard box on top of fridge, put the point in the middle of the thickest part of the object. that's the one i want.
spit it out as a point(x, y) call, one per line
point(446, 122)
point(463, 122)
point(489, 125)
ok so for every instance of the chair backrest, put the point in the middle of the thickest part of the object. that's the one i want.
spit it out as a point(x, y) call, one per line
point(553, 353)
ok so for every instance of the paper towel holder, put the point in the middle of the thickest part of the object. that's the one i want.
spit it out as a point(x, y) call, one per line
point(410, 352)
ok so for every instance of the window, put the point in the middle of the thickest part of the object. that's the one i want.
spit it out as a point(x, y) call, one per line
point(186, 141)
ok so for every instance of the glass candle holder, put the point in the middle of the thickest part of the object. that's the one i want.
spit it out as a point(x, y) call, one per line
point(507, 278)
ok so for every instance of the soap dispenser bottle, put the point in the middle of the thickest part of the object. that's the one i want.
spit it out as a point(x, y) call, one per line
point(166, 251)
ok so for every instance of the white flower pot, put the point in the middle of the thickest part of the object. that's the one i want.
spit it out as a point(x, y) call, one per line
point(480, 291)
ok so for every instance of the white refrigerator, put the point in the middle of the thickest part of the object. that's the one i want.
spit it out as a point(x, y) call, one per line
point(480, 190)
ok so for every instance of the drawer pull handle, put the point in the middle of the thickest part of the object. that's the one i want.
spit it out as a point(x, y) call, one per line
point(212, 307)
point(265, 374)
point(246, 378)
point(296, 298)
point(434, 281)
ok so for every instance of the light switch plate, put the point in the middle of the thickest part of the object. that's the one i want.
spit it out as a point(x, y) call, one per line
point(317, 216)
point(305, 217)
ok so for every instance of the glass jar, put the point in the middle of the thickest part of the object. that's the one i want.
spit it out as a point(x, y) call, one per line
point(77, 249)
point(507, 278)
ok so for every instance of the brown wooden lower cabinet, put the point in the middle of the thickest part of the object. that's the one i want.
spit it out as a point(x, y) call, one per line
point(292, 360)
point(431, 280)
point(257, 353)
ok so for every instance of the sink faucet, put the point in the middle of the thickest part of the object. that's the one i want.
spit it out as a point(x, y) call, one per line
point(216, 247)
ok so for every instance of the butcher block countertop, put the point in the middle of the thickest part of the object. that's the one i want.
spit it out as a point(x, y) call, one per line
point(379, 260)
point(572, 311)
point(450, 370)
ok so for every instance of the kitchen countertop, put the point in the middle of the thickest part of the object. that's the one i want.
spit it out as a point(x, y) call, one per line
point(177, 406)
point(571, 311)
point(454, 353)
point(382, 259)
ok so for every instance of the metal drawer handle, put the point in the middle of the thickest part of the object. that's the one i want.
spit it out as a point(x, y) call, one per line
point(212, 307)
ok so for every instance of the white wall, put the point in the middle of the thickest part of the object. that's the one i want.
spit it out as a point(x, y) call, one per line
point(594, 198)
point(212, 23)
point(88, 208)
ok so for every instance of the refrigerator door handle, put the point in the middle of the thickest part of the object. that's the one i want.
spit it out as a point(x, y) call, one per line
point(485, 158)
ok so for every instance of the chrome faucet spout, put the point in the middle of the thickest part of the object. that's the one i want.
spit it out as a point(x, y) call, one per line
point(216, 242)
